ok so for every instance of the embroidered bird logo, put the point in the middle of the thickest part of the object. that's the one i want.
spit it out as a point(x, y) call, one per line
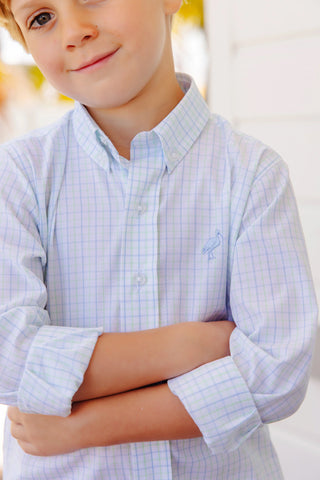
point(212, 244)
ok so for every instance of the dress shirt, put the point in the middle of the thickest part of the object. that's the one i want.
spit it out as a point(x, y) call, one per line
point(201, 224)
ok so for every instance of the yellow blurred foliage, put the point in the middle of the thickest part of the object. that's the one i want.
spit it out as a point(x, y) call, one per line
point(36, 77)
point(3, 84)
point(192, 10)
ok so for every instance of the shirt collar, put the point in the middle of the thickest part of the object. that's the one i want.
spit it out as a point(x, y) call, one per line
point(177, 132)
point(91, 138)
point(184, 124)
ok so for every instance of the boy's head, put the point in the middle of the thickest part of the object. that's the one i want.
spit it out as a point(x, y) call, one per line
point(7, 20)
point(100, 53)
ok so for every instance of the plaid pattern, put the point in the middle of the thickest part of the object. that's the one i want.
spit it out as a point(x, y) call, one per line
point(201, 223)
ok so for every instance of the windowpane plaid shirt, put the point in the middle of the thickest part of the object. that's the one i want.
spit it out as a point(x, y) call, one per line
point(200, 224)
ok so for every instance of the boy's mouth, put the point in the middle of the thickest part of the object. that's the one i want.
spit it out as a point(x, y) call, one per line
point(95, 61)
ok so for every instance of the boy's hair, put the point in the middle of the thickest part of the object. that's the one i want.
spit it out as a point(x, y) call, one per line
point(7, 21)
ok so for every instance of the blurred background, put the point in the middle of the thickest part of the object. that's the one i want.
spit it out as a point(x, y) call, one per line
point(257, 63)
point(264, 76)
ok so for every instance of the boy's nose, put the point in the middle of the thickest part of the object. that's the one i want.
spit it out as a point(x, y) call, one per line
point(78, 31)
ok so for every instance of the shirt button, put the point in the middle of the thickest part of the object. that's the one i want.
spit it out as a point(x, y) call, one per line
point(142, 208)
point(175, 155)
point(140, 280)
point(101, 138)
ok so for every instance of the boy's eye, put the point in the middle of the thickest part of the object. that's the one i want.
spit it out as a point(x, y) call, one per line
point(40, 20)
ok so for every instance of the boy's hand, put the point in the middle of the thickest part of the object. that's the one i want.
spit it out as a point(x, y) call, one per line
point(43, 435)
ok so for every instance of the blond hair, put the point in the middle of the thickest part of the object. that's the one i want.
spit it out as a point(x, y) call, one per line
point(7, 21)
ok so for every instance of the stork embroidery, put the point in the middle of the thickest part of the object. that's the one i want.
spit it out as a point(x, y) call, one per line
point(212, 244)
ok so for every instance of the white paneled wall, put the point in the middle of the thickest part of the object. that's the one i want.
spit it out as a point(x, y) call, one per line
point(277, 79)
point(265, 78)
point(256, 21)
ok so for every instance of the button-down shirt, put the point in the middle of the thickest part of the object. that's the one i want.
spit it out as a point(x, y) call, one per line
point(200, 224)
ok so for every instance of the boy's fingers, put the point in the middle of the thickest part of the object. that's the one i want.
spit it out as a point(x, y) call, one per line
point(29, 448)
point(14, 415)
point(17, 431)
point(17, 428)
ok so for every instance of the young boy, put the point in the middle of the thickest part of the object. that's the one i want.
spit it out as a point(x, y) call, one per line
point(142, 216)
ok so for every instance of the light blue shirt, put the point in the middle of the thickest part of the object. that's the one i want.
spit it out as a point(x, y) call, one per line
point(200, 224)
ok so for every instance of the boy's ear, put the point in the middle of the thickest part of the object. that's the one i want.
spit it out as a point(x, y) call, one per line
point(172, 6)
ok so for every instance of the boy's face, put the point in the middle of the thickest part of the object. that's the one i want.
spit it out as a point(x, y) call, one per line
point(100, 52)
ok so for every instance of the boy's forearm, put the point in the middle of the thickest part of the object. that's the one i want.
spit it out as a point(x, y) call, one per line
point(126, 361)
point(148, 414)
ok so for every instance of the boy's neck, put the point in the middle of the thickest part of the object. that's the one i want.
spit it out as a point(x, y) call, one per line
point(142, 113)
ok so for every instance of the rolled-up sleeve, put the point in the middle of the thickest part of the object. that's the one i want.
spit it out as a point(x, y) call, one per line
point(55, 365)
point(272, 301)
point(41, 365)
point(218, 400)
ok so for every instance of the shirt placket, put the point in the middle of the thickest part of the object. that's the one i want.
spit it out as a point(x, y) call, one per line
point(139, 251)
point(139, 275)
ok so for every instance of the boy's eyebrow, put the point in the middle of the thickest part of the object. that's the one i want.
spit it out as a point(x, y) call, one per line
point(23, 6)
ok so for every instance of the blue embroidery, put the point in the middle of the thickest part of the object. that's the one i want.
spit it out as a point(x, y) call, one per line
point(212, 244)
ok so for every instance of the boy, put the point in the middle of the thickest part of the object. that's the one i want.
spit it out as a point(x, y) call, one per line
point(141, 215)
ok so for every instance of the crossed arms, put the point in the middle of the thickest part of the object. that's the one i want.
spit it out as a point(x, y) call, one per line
point(110, 407)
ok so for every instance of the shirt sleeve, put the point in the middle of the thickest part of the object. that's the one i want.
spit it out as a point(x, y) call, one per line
point(271, 299)
point(41, 366)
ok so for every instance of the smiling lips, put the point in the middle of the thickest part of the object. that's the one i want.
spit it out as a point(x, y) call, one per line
point(96, 61)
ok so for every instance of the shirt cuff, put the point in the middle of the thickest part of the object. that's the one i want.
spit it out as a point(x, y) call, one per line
point(219, 402)
point(56, 363)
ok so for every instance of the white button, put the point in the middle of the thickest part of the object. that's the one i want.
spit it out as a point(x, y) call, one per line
point(102, 139)
point(175, 155)
point(140, 279)
point(142, 208)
